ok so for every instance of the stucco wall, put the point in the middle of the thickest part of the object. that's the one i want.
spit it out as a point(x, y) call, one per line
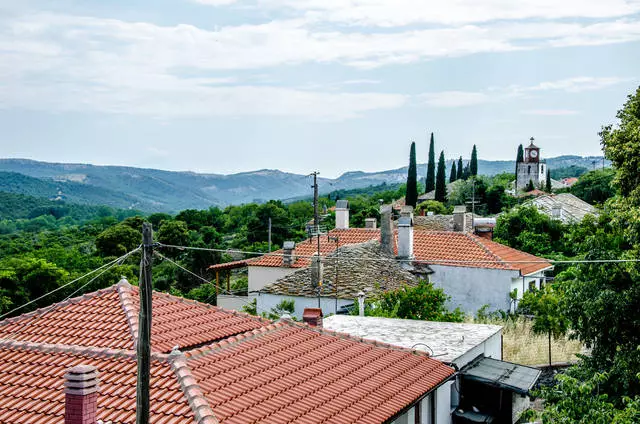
point(233, 302)
point(472, 288)
point(491, 348)
point(260, 276)
point(267, 301)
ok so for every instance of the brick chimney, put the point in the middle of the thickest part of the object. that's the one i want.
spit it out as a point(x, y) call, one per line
point(405, 233)
point(370, 223)
point(312, 316)
point(288, 255)
point(81, 395)
point(342, 214)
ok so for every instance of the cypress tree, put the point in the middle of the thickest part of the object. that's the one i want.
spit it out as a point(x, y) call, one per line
point(519, 158)
point(530, 186)
point(411, 196)
point(466, 172)
point(453, 174)
point(430, 183)
point(473, 168)
point(459, 175)
point(548, 183)
point(441, 182)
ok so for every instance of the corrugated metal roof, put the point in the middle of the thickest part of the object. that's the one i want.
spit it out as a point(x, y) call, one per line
point(506, 375)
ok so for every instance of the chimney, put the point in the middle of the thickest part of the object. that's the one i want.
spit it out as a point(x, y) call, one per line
point(405, 233)
point(288, 255)
point(557, 212)
point(459, 221)
point(342, 214)
point(386, 231)
point(361, 304)
point(312, 316)
point(81, 395)
point(370, 223)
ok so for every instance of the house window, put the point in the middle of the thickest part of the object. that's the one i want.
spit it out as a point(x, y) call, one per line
point(529, 170)
point(532, 285)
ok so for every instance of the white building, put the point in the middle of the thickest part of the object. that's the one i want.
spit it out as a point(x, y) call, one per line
point(496, 389)
point(532, 169)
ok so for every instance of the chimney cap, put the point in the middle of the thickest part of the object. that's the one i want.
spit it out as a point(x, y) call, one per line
point(81, 380)
point(405, 221)
point(460, 209)
point(342, 204)
point(289, 245)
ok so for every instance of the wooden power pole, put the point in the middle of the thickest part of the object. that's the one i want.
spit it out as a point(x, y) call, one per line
point(144, 326)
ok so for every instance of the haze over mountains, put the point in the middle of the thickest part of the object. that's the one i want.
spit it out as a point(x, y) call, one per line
point(156, 190)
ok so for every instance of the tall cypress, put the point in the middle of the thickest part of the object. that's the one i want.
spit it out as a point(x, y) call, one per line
point(548, 182)
point(519, 158)
point(441, 182)
point(453, 174)
point(411, 197)
point(459, 176)
point(473, 168)
point(430, 183)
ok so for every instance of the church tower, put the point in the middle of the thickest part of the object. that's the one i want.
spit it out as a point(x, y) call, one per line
point(532, 169)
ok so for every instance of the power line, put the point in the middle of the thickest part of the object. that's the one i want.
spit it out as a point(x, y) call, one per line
point(69, 283)
point(419, 261)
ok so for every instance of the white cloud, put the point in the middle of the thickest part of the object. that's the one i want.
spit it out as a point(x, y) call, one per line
point(578, 84)
point(550, 112)
point(448, 99)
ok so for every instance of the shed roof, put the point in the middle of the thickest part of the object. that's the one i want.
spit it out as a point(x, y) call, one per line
point(506, 375)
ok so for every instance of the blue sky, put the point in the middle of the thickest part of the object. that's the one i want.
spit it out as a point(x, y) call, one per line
point(226, 86)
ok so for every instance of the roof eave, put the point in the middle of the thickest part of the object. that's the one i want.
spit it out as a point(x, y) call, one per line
point(548, 268)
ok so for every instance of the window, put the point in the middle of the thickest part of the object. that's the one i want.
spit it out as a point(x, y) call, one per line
point(532, 285)
point(529, 170)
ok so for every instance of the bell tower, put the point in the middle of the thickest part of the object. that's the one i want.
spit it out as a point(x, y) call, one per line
point(532, 153)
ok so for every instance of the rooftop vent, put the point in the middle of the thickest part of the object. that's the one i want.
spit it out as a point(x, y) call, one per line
point(81, 395)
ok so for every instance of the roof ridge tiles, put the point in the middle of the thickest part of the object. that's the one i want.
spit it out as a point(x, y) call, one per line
point(191, 389)
point(71, 349)
point(126, 301)
point(46, 309)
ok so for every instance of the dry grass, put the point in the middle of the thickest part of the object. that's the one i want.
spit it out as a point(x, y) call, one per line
point(522, 346)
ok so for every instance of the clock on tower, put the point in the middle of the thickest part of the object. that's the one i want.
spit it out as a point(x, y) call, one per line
point(532, 153)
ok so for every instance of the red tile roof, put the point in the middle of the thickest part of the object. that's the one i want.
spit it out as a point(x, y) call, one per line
point(287, 373)
point(468, 250)
point(306, 249)
point(229, 265)
point(279, 373)
point(31, 384)
point(438, 246)
point(109, 319)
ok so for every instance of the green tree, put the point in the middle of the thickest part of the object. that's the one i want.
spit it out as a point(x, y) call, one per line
point(423, 301)
point(459, 169)
point(432, 206)
point(173, 232)
point(595, 187)
point(411, 197)
point(453, 174)
point(548, 182)
point(258, 225)
point(441, 180)
point(526, 229)
point(118, 240)
point(473, 167)
point(430, 182)
point(530, 186)
point(546, 307)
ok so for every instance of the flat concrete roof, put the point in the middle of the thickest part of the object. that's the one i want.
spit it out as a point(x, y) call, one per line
point(447, 340)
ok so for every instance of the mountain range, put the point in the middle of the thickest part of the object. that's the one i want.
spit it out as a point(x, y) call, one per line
point(154, 190)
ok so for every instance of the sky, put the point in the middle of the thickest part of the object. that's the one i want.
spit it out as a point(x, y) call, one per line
point(226, 86)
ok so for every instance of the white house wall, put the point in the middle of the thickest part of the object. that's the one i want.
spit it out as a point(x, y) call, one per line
point(266, 301)
point(490, 348)
point(233, 302)
point(472, 288)
point(260, 276)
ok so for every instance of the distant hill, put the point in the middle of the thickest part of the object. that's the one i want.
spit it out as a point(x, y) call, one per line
point(168, 191)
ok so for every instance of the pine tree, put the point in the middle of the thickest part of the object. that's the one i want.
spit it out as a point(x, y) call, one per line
point(441, 182)
point(548, 182)
point(459, 170)
point(453, 174)
point(411, 197)
point(473, 168)
point(430, 183)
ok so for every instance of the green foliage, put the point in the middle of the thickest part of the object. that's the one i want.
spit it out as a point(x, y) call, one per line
point(622, 146)
point(441, 180)
point(430, 182)
point(459, 169)
point(173, 232)
point(432, 206)
point(526, 229)
point(581, 400)
point(595, 187)
point(286, 306)
point(568, 172)
point(529, 187)
point(547, 187)
point(412, 178)
point(453, 172)
point(251, 308)
point(205, 293)
point(118, 240)
point(473, 165)
point(423, 302)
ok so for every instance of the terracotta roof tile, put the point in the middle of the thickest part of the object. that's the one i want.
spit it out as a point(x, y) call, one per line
point(290, 373)
point(109, 319)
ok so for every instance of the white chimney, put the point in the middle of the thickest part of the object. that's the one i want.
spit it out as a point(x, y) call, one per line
point(361, 304)
point(288, 253)
point(342, 214)
point(459, 218)
point(370, 223)
point(405, 233)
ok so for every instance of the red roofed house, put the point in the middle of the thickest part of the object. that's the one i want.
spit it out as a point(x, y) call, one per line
point(474, 271)
point(208, 366)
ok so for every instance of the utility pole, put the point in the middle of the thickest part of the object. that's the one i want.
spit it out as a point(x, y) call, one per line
point(316, 224)
point(269, 234)
point(144, 326)
point(473, 202)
